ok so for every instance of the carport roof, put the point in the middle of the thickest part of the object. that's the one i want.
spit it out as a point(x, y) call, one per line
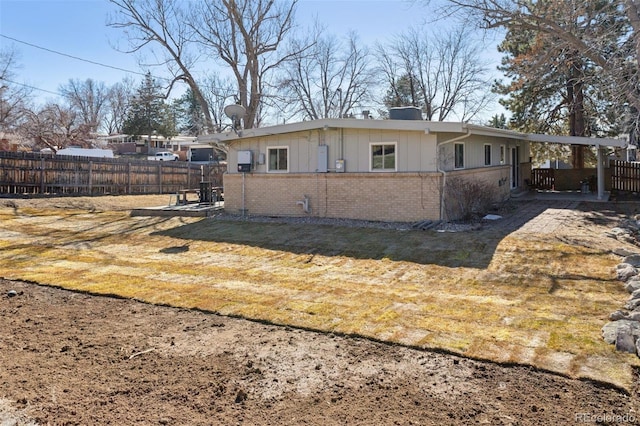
point(411, 125)
point(577, 140)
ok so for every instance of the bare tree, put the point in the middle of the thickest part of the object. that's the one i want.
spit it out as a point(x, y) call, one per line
point(14, 97)
point(119, 100)
point(329, 79)
point(164, 23)
point(442, 74)
point(219, 92)
point(55, 126)
point(245, 35)
point(88, 98)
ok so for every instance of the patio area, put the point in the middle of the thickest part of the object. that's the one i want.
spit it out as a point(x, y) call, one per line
point(543, 194)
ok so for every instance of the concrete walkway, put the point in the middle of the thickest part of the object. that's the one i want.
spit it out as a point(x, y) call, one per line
point(560, 196)
point(551, 217)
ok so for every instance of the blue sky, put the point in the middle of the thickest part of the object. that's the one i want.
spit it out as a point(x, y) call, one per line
point(78, 28)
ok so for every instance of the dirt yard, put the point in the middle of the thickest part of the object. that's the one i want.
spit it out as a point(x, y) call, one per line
point(71, 358)
point(74, 359)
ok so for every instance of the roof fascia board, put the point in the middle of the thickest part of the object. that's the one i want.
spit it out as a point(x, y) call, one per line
point(577, 140)
point(410, 125)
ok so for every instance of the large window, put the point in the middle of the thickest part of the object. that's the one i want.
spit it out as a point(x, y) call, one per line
point(278, 159)
point(487, 155)
point(383, 156)
point(459, 155)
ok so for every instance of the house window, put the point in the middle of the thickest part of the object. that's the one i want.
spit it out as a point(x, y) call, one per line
point(458, 155)
point(487, 155)
point(383, 156)
point(503, 154)
point(278, 159)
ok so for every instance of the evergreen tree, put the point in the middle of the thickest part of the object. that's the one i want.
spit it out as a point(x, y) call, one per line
point(149, 114)
point(498, 121)
point(552, 88)
point(402, 93)
point(190, 119)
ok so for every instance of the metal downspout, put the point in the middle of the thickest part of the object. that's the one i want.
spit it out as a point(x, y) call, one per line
point(444, 174)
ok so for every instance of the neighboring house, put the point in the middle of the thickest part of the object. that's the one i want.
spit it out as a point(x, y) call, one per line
point(10, 142)
point(383, 170)
point(147, 144)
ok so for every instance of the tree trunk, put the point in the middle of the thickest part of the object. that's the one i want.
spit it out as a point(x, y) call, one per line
point(575, 96)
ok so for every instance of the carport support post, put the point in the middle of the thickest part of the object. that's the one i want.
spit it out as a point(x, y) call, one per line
point(600, 169)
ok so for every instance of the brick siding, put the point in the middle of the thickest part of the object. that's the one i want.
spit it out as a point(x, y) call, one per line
point(370, 196)
point(403, 197)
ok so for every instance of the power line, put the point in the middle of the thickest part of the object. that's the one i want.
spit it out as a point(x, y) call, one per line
point(30, 87)
point(84, 60)
point(71, 56)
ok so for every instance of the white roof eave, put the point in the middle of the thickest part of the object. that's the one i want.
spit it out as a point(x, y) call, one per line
point(577, 140)
point(411, 125)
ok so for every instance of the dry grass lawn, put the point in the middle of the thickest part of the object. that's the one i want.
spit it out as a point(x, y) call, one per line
point(521, 297)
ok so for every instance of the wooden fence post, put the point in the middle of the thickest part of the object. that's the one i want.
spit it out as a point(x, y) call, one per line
point(41, 175)
point(129, 177)
point(90, 177)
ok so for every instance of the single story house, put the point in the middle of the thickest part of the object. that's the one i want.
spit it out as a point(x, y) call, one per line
point(381, 170)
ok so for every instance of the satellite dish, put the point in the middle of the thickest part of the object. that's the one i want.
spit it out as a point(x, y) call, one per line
point(235, 111)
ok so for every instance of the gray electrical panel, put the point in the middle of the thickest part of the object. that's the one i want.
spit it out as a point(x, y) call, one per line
point(323, 158)
point(244, 161)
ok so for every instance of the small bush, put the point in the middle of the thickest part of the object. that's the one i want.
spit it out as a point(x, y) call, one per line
point(466, 199)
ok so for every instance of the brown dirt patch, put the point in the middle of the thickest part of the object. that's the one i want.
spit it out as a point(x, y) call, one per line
point(71, 358)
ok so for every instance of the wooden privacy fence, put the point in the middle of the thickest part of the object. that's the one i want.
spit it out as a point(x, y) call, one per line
point(35, 173)
point(625, 176)
point(542, 178)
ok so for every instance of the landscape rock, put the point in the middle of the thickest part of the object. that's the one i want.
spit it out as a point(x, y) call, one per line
point(632, 224)
point(626, 339)
point(618, 231)
point(634, 316)
point(625, 271)
point(610, 330)
point(632, 285)
point(632, 304)
point(633, 260)
point(622, 234)
point(623, 252)
point(618, 315)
